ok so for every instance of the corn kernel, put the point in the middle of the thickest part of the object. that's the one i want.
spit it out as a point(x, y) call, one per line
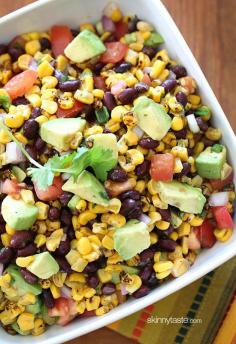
point(32, 47)
point(223, 234)
point(184, 229)
point(24, 61)
point(181, 265)
point(14, 121)
point(55, 291)
point(162, 266)
point(196, 221)
point(27, 299)
point(40, 240)
point(23, 262)
point(61, 62)
point(108, 242)
point(84, 247)
point(45, 69)
point(6, 239)
point(93, 303)
point(85, 217)
point(104, 276)
point(177, 123)
point(26, 321)
point(27, 196)
point(41, 119)
point(39, 327)
point(84, 96)
point(213, 134)
point(53, 241)
point(162, 225)
point(49, 105)
point(42, 210)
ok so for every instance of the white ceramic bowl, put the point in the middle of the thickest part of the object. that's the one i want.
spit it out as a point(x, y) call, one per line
point(42, 15)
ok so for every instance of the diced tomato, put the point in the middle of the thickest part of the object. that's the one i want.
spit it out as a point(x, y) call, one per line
point(10, 187)
point(218, 184)
point(162, 167)
point(222, 217)
point(193, 242)
point(65, 309)
point(69, 113)
point(205, 234)
point(121, 29)
point(99, 82)
point(52, 193)
point(146, 79)
point(61, 36)
point(115, 52)
point(21, 83)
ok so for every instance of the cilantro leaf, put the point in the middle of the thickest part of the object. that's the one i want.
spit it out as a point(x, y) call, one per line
point(43, 177)
point(102, 162)
point(5, 101)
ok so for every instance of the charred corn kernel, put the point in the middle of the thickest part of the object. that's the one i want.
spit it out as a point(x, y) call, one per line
point(134, 285)
point(40, 240)
point(231, 196)
point(42, 210)
point(81, 205)
point(96, 129)
point(23, 262)
point(27, 299)
point(76, 140)
point(80, 307)
point(158, 203)
point(14, 121)
point(129, 120)
point(156, 93)
point(53, 225)
point(194, 99)
point(61, 62)
point(6, 239)
point(48, 93)
point(118, 112)
point(45, 69)
point(196, 221)
point(198, 148)
point(162, 266)
point(131, 57)
point(189, 84)
point(32, 47)
point(87, 26)
point(89, 292)
point(77, 293)
point(181, 265)
point(164, 274)
point(41, 119)
point(55, 291)
point(103, 310)
point(135, 157)
point(100, 228)
point(49, 106)
point(153, 238)
point(27, 196)
point(178, 165)
point(53, 241)
point(34, 100)
point(88, 84)
point(99, 94)
point(45, 284)
point(176, 254)
point(115, 220)
point(177, 123)
point(157, 68)
point(84, 96)
point(84, 247)
point(112, 126)
point(162, 225)
point(40, 227)
point(223, 234)
point(108, 242)
point(25, 321)
point(24, 61)
point(184, 229)
point(39, 327)
point(184, 245)
point(140, 186)
point(213, 134)
point(93, 303)
point(76, 277)
point(104, 276)
point(86, 216)
point(160, 147)
point(180, 152)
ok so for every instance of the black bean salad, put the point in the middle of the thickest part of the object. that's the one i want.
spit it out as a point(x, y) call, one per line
point(112, 177)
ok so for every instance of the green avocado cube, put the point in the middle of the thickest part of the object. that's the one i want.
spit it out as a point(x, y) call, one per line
point(131, 239)
point(210, 163)
point(60, 132)
point(152, 117)
point(84, 46)
point(17, 214)
point(35, 308)
point(43, 265)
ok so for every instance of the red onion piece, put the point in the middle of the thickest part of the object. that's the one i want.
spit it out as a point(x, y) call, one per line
point(218, 199)
point(14, 154)
point(33, 64)
point(118, 88)
point(123, 290)
point(144, 218)
point(138, 131)
point(66, 292)
point(108, 24)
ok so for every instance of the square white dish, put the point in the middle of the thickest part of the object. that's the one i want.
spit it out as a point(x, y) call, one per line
point(42, 15)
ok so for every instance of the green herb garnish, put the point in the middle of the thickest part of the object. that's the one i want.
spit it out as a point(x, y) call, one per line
point(203, 111)
point(5, 102)
point(102, 115)
point(217, 148)
point(154, 39)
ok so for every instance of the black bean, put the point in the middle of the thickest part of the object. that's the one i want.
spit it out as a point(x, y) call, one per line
point(186, 169)
point(207, 142)
point(88, 113)
point(168, 245)
point(168, 231)
point(30, 129)
point(146, 272)
point(28, 276)
point(181, 98)
point(142, 170)
point(48, 298)
point(36, 112)
point(127, 96)
point(180, 71)
point(40, 145)
point(141, 87)
point(132, 24)
point(3, 49)
point(118, 175)
point(90, 224)
point(6, 255)
point(109, 101)
point(152, 281)
point(146, 256)
point(141, 292)
point(181, 134)
point(90, 268)
point(202, 124)
point(169, 85)
point(2, 221)
point(101, 262)
point(21, 238)
point(190, 151)
point(63, 248)
point(93, 281)
point(45, 43)
point(133, 194)
point(54, 214)
point(66, 217)
point(15, 52)
point(31, 150)
point(74, 32)
point(165, 214)
point(108, 288)
point(123, 67)
point(59, 75)
point(148, 143)
point(65, 198)
point(64, 265)
point(28, 250)
point(20, 101)
point(106, 131)
point(70, 232)
point(69, 86)
point(149, 51)
point(131, 209)
point(97, 67)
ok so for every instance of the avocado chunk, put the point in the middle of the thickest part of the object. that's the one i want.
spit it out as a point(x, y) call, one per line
point(35, 308)
point(46, 318)
point(43, 265)
point(210, 164)
point(183, 196)
point(60, 132)
point(20, 284)
point(131, 239)
point(72, 203)
point(18, 173)
point(175, 219)
point(16, 327)
point(131, 270)
point(105, 141)
point(87, 187)
point(17, 214)
point(84, 46)
point(152, 118)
